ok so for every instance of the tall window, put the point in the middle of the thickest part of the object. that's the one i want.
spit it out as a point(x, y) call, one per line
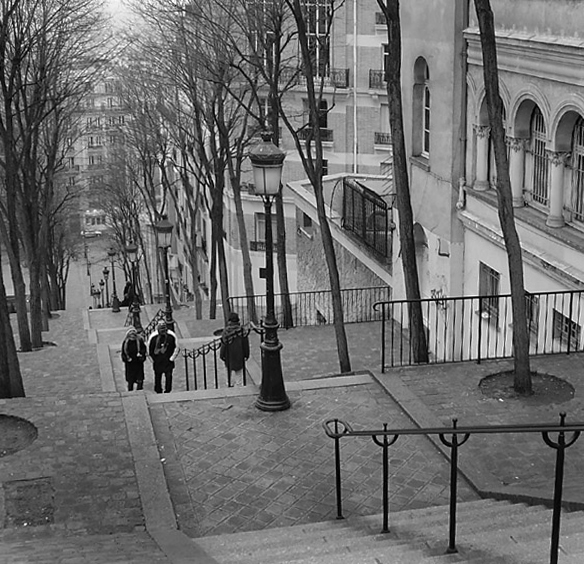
point(540, 160)
point(385, 56)
point(421, 109)
point(318, 16)
point(578, 171)
point(259, 244)
point(263, 40)
point(566, 331)
point(489, 287)
point(426, 118)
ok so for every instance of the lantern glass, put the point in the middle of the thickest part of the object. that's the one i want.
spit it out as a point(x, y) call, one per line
point(132, 252)
point(164, 230)
point(267, 161)
point(267, 179)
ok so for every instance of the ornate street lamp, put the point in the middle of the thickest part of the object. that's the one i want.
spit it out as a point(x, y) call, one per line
point(115, 301)
point(101, 293)
point(105, 272)
point(132, 253)
point(164, 229)
point(267, 161)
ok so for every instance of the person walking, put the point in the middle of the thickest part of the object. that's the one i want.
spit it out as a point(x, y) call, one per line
point(134, 355)
point(163, 349)
point(234, 349)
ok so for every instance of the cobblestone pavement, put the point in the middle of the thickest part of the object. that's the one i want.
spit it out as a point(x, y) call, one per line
point(73, 495)
point(518, 462)
point(231, 467)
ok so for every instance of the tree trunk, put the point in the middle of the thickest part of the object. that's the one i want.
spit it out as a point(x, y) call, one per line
point(11, 385)
point(522, 380)
point(418, 343)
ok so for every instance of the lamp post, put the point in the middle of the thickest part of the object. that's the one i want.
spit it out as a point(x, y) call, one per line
point(163, 229)
point(267, 161)
point(101, 293)
point(115, 301)
point(132, 252)
point(105, 272)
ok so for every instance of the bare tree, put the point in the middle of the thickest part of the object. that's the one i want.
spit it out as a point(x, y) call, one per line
point(401, 183)
point(522, 377)
point(46, 57)
point(308, 142)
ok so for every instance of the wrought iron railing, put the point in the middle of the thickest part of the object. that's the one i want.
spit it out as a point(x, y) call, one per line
point(204, 368)
point(384, 438)
point(326, 135)
point(149, 329)
point(340, 78)
point(381, 138)
point(377, 79)
point(316, 308)
point(481, 327)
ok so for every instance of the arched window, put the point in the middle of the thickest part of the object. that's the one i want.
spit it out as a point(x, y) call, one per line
point(539, 191)
point(578, 170)
point(421, 109)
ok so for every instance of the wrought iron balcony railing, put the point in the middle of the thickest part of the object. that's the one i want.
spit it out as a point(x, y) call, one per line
point(377, 79)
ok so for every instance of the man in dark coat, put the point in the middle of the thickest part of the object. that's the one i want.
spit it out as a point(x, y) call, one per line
point(234, 349)
point(163, 349)
point(134, 355)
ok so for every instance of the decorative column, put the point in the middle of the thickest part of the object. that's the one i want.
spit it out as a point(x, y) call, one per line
point(481, 182)
point(516, 168)
point(558, 163)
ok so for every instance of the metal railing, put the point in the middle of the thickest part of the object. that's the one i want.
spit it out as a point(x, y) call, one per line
point(149, 329)
point(204, 368)
point(481, 327)
point(384, 438)
point(316, 308)
point(377, 79)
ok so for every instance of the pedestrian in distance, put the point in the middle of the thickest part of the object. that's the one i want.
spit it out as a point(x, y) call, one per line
point(163, 349)
point(234, 350)
point(128, 295)
point(134, 355)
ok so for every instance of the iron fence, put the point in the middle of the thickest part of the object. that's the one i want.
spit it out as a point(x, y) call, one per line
point(481, 327)
point(453, 438)
point(204, 368)
point(316, 308)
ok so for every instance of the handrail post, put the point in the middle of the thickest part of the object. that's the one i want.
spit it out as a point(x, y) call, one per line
point(186, 357)
point(558, 487)
point(385, 528)
point(383, 339)
point(480, 339)
point(453, 487)
point(338, 470)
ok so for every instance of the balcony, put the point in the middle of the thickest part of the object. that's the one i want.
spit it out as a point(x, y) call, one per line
point(326, 135)
point(380, 18)
point(381, 138)
point(339, 78)
point(377, 79)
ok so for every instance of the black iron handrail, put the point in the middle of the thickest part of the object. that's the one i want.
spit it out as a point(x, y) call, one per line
point(205, 363)
point(338, 429)
point(315, 308)
point(481, 327)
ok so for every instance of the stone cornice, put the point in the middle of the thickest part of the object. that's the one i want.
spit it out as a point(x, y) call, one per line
point(547, 57)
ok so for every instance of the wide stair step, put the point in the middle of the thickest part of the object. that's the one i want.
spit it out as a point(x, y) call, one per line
point(488, 532)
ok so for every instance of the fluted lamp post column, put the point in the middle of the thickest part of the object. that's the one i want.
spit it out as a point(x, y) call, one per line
point(115, 301)
point(267, 161)
point(164, 231)
point(101, 293)
point(132, 253)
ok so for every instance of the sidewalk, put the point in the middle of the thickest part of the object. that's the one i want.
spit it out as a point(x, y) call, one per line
point(124, 477)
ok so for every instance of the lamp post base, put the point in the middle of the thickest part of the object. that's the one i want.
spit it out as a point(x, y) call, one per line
point(115, 304)
point(272, 393)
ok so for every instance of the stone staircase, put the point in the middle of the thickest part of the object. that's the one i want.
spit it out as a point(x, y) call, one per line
point(488, 532)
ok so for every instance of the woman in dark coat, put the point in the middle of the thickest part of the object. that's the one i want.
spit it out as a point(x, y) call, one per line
point(234, 349)
point(134, 355)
